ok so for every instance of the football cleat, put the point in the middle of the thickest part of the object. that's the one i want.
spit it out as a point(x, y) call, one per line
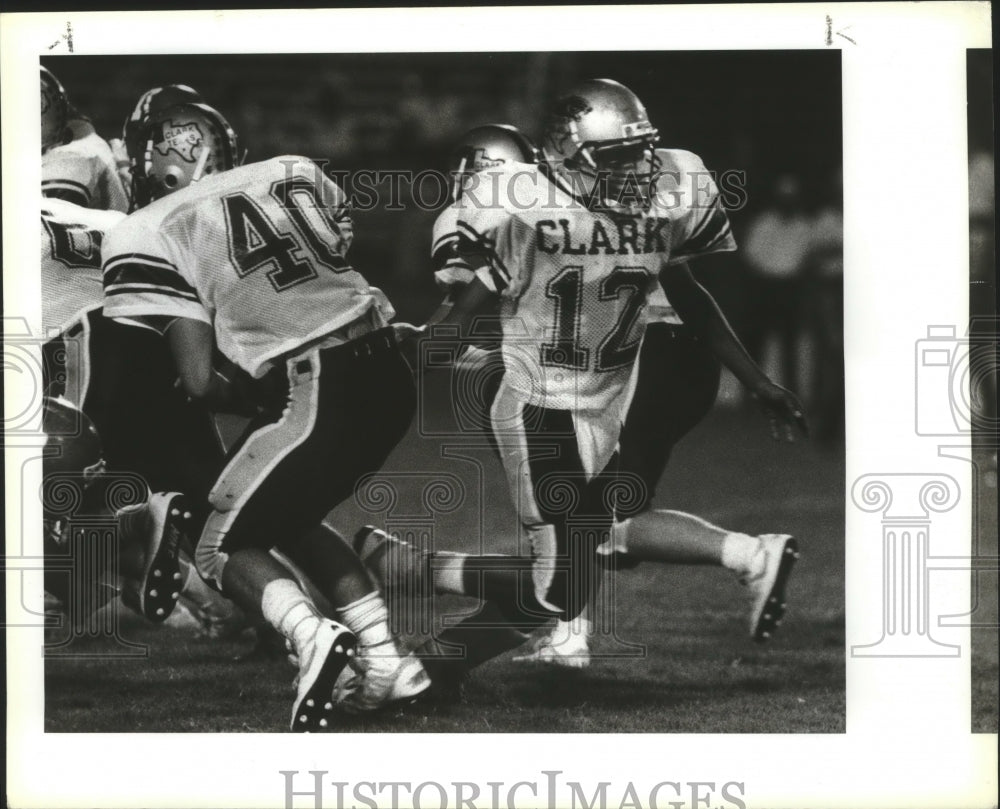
point(396, 565)
point(159, 586)
point(767, 588)
point(380, 679)
point(321, 662)
point(564, 645)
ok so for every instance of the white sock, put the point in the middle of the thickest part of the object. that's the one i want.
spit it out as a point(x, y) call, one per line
point(739, 552)
point(449, 578)
point(619, 536)
point(289, 610)
point(368, 618)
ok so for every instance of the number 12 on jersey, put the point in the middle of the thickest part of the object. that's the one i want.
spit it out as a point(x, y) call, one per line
point(615, 350)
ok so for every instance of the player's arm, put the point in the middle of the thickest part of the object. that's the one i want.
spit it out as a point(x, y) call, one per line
point(698, 309)
point(192, 345)
point(472, 300)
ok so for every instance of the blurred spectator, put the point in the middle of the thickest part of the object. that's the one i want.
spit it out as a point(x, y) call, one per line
point(824, 312)
point(777, 242)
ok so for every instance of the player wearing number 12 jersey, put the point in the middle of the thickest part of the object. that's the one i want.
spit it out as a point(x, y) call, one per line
point(572, 250)
point(593, 110)
point(249, 262)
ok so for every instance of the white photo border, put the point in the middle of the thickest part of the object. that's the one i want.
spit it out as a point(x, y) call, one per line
point(908, 741)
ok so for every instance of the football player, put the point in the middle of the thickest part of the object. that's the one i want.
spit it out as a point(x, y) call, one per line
point(576, 142)
point(248, 262)
point(135, 412)
point(77, 164)
point(127, 149)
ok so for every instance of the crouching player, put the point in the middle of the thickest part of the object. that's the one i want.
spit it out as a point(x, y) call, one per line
point(249, 261)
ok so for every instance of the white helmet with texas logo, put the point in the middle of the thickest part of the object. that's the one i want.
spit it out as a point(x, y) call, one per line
point(178, 146)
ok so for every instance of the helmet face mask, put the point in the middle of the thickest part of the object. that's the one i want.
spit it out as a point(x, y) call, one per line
point(55, 111)
point(177, 147)
point(600, 140)
point(487, 147)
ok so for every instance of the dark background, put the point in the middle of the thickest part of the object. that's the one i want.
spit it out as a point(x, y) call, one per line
point(760, 112)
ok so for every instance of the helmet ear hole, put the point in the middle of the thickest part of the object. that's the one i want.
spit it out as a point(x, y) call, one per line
point(170, 181)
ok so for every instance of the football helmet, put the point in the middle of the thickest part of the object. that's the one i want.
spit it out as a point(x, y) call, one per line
point(178, 146)
point(71, 441)
point(152, 102)
point(599, 137)
point(55, 111)
point(488, 146)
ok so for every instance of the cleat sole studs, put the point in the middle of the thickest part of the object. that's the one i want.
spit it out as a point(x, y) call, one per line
point(328, 706)
point(157, 574)
point(153, 594)
point(323, 723)
point(160, 611)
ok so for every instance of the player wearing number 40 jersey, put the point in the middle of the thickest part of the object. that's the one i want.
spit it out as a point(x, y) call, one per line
point(250, 261)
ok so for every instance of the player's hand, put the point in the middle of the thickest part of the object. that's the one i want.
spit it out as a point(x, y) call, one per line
point(783, 409)
point(408, 339)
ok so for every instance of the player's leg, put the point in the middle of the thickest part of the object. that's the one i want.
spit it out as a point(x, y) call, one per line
point(233, 553)
point(676, 387)
point(338, 426)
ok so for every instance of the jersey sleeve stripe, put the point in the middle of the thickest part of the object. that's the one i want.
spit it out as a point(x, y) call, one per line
point(140, 258)
point(118, 274)
point(124, 289)
point(486, 244)
point(443, 241)
point(67, 190)
point(714, 226)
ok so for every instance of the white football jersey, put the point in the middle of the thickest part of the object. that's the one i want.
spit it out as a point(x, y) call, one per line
point(575, 282)
point(86, 172)
point(256, 251)
point(71, 238)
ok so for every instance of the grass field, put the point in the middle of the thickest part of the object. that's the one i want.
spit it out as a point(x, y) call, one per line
point(699, 671)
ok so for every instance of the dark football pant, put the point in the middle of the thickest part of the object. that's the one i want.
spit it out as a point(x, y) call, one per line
point(347, 408)
point(677, 385)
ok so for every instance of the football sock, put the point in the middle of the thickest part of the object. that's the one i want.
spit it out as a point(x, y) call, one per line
point(288, 609)
point(740, 554)
point(448, 572)
point(368, 618)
